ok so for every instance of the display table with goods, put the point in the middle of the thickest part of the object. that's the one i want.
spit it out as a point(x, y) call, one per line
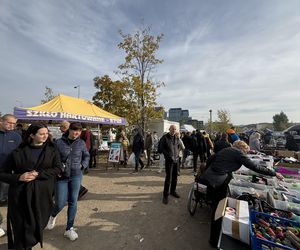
point(274, 210)
point(272, 232)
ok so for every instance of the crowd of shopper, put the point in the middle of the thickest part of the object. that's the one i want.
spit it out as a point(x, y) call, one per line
point(35, 170)
point(39, 175)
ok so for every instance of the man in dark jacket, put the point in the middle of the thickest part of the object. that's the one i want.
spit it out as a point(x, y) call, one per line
point(188, 145)
point(138, 148)
point(9, 140)
point(169, 146)
point(200, 149)
point(222, 143)
point(148, 147)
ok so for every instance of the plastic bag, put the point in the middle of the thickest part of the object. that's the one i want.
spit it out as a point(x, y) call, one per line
point(189, 161)
point(131, 160)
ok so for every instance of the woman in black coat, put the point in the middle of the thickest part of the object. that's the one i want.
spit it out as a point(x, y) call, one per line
point(219, 173)
point(31, 171)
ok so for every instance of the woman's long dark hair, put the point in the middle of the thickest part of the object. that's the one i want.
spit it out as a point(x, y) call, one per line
point(32, 130)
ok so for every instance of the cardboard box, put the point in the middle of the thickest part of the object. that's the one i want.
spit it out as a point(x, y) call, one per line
point(284, 153)
point(235, 226)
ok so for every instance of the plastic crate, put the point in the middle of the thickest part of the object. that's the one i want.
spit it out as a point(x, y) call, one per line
point(271, 181)
point(267, 208)
point(283, 205)
point(236, 191)
point(243, 183)
point(261, 244)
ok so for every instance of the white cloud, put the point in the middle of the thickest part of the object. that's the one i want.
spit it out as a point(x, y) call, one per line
point(239, 56)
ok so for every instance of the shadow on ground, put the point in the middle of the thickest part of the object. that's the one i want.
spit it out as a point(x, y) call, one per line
point(123, 211)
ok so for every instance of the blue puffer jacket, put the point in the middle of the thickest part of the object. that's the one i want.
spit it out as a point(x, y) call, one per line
point(9, 140)
point(76, 154)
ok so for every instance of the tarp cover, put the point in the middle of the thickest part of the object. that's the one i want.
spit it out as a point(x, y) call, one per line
point(187, 128)
point(69, 108)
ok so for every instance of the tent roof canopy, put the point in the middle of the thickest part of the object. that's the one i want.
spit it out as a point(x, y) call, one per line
point(69, 108)
point(187, 128)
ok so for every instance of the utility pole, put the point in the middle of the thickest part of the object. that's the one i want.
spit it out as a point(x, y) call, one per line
point(210, 121)
point(78, 88)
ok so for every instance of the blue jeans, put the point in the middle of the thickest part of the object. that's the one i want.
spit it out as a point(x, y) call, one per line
point(67, 190)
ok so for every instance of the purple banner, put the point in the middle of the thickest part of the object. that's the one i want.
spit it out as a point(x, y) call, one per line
point(27, 114)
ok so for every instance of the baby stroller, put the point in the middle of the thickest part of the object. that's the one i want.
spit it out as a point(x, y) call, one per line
point(197, 195)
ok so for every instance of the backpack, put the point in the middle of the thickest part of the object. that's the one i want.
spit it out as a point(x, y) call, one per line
point(160, 146)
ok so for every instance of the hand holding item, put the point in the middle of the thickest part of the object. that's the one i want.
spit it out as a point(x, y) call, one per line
point(279, 176)
point(28, 176)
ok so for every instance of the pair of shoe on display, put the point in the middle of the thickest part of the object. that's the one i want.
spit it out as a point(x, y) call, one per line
point(70, 234)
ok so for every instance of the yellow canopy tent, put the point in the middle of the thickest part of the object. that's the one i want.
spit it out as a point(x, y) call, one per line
point(69, 108)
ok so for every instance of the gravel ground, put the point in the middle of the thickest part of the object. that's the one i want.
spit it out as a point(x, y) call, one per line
point(125, 211)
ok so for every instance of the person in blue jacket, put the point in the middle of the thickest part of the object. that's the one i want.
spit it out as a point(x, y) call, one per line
point(75, 156)
point(9, 140)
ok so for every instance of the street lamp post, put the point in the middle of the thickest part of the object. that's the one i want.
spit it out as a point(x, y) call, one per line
point(20, 103)
point(78, 88)
point(210, 121)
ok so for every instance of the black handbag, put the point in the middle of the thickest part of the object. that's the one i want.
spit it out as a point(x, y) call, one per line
point(66, 168)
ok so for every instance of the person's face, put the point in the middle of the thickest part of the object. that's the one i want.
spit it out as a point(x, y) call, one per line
point(172, 130)
point(40, 137)
point(9, 123)
point(74, 134)
point(63, 129)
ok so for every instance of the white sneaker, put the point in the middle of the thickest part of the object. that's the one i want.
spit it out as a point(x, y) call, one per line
point(71, 234)
point(2, 232)
point(51, 223)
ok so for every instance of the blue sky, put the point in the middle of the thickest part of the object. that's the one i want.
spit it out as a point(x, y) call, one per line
point(239, 56)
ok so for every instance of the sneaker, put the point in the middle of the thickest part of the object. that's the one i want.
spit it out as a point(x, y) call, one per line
point(51, 223)
point(71, 234)
point(2, 232)
point(175, 195)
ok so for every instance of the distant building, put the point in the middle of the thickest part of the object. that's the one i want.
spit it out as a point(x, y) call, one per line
point(196, 124)
point(185, 114)
point(175, 114)
point(165, 114)
point(182, 116)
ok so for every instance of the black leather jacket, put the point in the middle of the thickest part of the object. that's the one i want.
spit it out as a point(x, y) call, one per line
point(227, 161)
point(170, 147)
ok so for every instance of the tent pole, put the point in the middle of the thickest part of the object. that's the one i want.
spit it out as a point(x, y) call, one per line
point(98, 129)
